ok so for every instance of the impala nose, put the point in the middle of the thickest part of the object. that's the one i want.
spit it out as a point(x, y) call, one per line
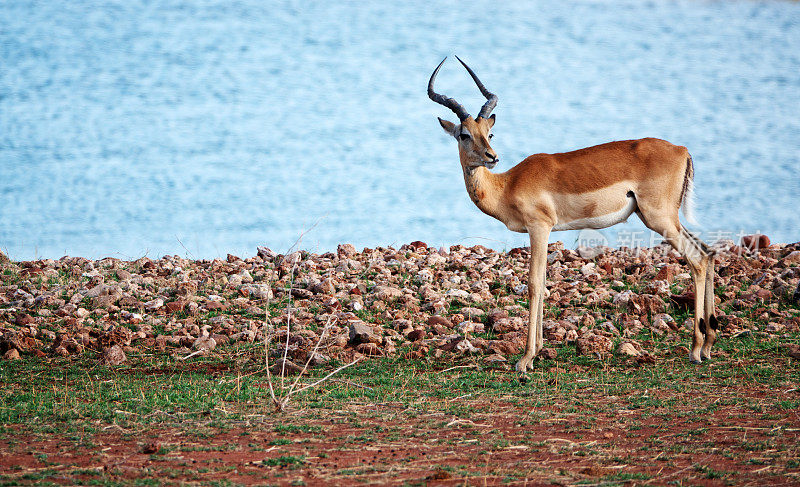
point(492, 157)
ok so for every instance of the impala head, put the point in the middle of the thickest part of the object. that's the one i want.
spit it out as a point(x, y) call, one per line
point(473, 134)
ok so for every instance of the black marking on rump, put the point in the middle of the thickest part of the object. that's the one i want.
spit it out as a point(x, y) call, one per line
point(688, 177)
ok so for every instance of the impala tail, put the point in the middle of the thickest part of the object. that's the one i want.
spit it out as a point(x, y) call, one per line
point(687, 193)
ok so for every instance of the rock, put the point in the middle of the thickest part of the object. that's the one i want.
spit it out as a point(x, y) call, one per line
point(683, 301)
point(495, 359)
point(441, 321)
point(416, 335)
point(361, 332)
point(622, 299)
point(472, 312)
point(346, 250)
point(792, 259)
point(773, 327)
point(118, 335)
point(154, 304)
point(657, 287)
point(755, 242)
point(301, 293)
point(590, 253)
point(123, 275)
point(554, 257)
point(592, 344)
point(266, 253)
point(24, 320)
point(571, 336)
point(609, 327)
point(505, 347)
point(81, 313)
point(175, 306)
point(114, 356)
point(459, 294)
point(105, 300)
point(326, 286)
point(627, 349)
point(494, 315)
point(286, 367)
point(505, 325)
point(792, 350)
point(666, 273)
point(369, 349)
point(548, 353)
point(11, 354)
point(386, 293)
point(470, 327)
point(258, 291)
point(204, 343)
point(462, 345)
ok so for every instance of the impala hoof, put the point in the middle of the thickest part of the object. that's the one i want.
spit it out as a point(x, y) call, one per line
point(525, 364)
point(695, 358)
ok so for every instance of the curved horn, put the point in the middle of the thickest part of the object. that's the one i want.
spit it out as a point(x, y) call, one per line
point(450, 103)
point(491, 98)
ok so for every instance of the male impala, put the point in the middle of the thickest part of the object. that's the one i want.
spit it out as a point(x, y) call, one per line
point(594, 187)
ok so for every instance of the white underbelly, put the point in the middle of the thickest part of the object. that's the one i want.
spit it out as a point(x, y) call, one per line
point(600, 221)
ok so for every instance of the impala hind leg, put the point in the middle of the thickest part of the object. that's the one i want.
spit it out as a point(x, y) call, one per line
point(697, 256)
point(709, 316)
point(536, 274)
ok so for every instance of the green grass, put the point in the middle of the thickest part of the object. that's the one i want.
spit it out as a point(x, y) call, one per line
point(78, 400)
point(155, 389)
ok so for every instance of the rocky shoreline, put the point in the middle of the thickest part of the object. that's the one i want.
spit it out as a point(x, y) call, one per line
point(415, 301)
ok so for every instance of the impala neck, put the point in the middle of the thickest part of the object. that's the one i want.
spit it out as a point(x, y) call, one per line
point(485, 189)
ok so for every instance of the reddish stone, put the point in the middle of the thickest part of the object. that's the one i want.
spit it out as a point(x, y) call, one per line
point(416, 335)
point(417, 245)
point(755, 241)
point(440, 320)
point(369, 349)
point(666, 273)
point(548, 353)
point(24, 319)
point(683, 301)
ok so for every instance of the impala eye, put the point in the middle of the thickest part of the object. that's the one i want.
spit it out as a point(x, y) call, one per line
point(491, 135)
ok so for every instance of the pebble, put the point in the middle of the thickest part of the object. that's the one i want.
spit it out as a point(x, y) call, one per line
point(412, 296)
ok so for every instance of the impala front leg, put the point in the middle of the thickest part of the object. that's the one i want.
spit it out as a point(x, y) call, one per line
point(536, 275)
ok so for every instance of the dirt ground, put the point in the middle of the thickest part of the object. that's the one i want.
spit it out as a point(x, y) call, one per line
point(592, 439)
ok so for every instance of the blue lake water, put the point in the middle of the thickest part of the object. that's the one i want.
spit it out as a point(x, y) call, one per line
point(204, 128)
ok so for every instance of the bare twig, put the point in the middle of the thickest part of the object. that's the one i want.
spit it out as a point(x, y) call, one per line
point(310, 356)
point(329, 375)
point(472, 366)
point(288, 322)
point(196, 352)
point(282, 400)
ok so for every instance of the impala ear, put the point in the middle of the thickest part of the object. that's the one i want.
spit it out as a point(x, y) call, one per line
point(491, 121)
point(448, 127)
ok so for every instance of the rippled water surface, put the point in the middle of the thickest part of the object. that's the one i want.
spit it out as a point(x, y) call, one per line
point(207, 128)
